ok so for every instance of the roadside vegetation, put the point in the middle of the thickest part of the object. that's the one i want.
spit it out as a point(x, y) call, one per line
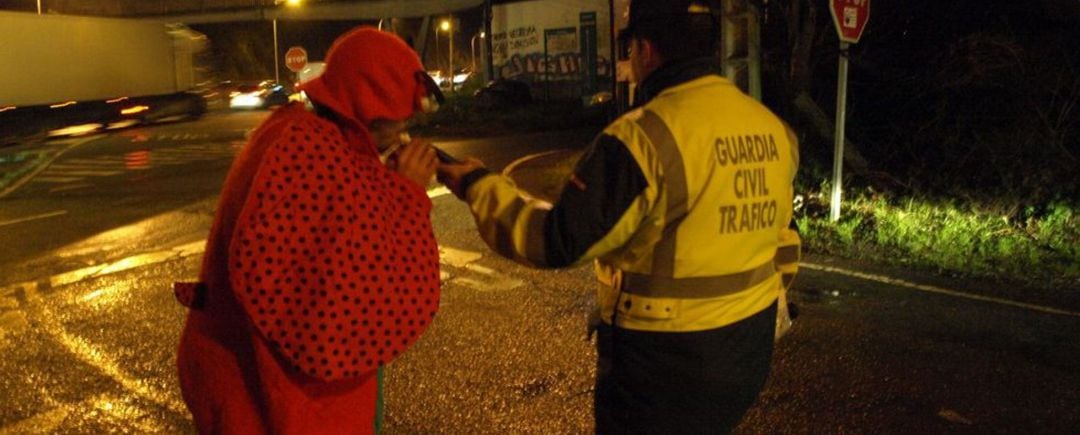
point(1038, 246)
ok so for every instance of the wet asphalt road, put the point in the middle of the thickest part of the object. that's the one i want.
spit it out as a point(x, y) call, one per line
point(88, 326)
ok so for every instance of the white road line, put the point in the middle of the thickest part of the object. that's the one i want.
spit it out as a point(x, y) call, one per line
point(45, 422)
point(97, 161)
point(71, 173)
point(513, 165)
point(70, 187)
point(457, 257)
point(135, 261)
point(56, 180)
point(34, 217)
point(937, 290)
point(98, 358)
point(437, 192)
point(83, 166)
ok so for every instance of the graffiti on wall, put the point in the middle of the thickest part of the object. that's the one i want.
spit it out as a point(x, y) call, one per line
point(519, 54)
point(559, 67)
point(516, 40)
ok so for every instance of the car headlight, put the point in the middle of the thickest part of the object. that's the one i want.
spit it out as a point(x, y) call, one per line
point(246, 101)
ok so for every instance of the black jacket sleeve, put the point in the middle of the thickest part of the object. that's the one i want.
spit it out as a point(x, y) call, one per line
point(604, 184)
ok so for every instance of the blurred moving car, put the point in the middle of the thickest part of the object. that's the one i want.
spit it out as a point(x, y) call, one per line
point(264, 95)
point(503, 93)
point(460, 77)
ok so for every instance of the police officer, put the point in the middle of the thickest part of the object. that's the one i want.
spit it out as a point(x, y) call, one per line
point(683, 202)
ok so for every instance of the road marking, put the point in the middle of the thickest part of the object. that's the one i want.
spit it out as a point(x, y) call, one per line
point(79, 169)
point(56, 180)
point(135, 261)
point(45, 422)
point(437, 192)
point(85, 173)
point(70, 187)
point(27, 177)
point(513, 165)
point(489, 279)
point(96, 357)
point(82, 161)
point(81, 166)
point(934, 289)
point(457, 257)
point(34, 217)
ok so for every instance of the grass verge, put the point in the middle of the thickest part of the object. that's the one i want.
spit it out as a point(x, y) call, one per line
point(1040, 247)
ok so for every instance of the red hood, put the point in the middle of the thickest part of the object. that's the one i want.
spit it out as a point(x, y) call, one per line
point(369, 75)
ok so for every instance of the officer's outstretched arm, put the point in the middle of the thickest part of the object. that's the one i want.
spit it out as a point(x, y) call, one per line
point(600, 208)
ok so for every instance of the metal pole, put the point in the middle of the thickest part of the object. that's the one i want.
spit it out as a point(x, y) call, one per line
point(753, 51)
point(838, 153)
point(486, 52)
point(39, 7)
point(472, 51)
point(277, 74)
point(450, 34)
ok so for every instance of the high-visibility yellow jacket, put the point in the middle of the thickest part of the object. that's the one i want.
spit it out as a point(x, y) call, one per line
point(683, 203)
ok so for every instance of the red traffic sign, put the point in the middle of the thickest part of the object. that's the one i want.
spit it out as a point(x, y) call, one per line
point(296, 58)
point(850, 17)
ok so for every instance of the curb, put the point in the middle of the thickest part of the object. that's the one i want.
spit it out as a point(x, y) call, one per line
point(541, 175)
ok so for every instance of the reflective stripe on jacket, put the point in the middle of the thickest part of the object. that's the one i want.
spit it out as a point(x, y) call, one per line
point(682, 202)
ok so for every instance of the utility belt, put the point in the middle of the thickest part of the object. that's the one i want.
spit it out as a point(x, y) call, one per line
point(665, 304)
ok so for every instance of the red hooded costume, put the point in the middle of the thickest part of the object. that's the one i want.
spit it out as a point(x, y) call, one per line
point(321, 265)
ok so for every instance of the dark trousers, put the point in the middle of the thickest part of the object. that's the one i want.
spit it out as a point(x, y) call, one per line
point(681, 382)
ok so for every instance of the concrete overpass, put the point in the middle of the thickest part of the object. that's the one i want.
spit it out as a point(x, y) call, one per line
point(213, 11)
point(352, 10)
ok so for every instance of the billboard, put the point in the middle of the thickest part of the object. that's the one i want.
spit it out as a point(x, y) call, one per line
point(544, 41)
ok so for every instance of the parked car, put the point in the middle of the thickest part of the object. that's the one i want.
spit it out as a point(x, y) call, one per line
point(264, 95)
point(503, 93)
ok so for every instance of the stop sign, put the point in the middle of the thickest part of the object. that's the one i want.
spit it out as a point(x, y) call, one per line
point(850, 18)
point(296, 58)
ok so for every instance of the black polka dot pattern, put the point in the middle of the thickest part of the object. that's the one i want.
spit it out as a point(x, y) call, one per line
point(333, 257)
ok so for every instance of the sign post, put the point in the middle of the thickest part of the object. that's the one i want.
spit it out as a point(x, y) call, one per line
point(588, 50)
point(849, 17)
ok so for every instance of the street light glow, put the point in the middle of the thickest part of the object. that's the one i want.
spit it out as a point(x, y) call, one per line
point(292, 2)
point(445, 25)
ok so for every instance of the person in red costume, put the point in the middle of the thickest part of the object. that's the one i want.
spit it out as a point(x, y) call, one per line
point(321, 265)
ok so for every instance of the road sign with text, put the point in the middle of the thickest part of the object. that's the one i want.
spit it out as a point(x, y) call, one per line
point(296, 59)
point(850, 17)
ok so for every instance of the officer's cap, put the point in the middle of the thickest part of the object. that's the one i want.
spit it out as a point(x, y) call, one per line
point(665, 15)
